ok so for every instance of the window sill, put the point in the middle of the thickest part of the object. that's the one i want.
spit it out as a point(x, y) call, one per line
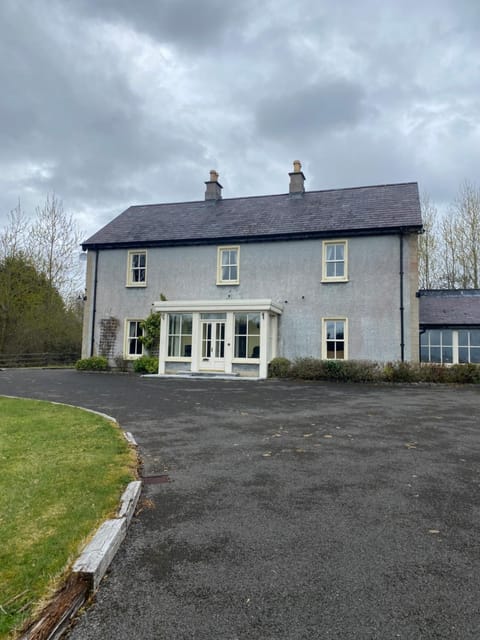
point(246, 360)
point(228, 284)
point(135, 285)
point(334, 280)
point(173, 359)
point(132, 358)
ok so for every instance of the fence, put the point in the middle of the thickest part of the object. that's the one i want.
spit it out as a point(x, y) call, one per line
point(38, 359)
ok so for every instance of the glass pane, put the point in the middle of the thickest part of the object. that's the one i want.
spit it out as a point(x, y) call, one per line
point(213, 316)
point(141, 260)
point(174, 324)
point(424, 354)
point(330, 330)
point(447, 337)
point(254, 324)
point(435, 354)
point(330, 349)
point(330, 269)
point(339, 251)
point(339, 330)
point(186, 347)
point(135, 260)
point(340, 269)
point(424, 338)
point(225, 273)
point(241, 323)
point(174, 346)
point(435, 336)
point(463, 338)
point(447, 355)
point(463, 355)
point(225, 257)
point(475, 355)
point(254, 347)
point(475, 338)
point(330, 252)
point(240, 347)
point(340, 351)
point(233, 272)
point(141, 275)
point(187, 324)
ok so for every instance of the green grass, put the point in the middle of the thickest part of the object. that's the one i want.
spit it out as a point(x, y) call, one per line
point(62, 471)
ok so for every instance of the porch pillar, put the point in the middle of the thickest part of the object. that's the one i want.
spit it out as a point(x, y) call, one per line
point(263, 367)
point(162, 346)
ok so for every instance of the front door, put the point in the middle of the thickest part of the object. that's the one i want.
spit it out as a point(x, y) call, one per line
point(213, 345)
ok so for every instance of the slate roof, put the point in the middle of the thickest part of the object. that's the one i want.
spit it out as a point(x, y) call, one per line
point(449, 307)
point(360, 210)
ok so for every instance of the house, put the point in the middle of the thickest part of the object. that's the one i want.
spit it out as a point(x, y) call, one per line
point(449, 325)
point(238, 281)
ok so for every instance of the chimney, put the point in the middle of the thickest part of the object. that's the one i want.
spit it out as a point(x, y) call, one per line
point(214, 188)
point(297, 179)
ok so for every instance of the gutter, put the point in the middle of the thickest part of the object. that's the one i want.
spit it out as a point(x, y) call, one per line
point(402, 308)
point(94, 303)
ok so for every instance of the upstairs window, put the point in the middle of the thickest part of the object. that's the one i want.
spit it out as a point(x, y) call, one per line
point(228, 265)
point(133, 346)
point(334, 343)
point(334, 267)
point(137, 269)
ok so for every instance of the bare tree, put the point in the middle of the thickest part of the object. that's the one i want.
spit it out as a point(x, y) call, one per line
point(54, 240)
point(428, 245)
point(460, 240)
point(13, 238)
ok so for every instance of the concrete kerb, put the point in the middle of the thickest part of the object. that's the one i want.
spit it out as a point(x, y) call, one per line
point(93, 562)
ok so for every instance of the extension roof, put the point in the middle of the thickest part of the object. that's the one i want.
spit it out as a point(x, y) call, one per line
point(449, 307)
point(378, 209)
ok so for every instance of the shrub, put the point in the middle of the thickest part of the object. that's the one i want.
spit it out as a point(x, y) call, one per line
point(308, 369)
point(279, 368)
point(464, 373)
point(146, 364)
point(402, 372)
point(94, 363)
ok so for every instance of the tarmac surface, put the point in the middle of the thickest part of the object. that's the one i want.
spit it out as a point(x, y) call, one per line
point(293, 510)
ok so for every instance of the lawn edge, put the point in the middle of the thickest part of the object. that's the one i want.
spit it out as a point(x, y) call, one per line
point(93, 562)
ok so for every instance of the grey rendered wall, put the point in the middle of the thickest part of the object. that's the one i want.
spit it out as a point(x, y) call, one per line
point(289, 273)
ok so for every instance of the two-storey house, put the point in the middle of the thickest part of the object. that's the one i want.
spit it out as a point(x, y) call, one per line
point(238, 281)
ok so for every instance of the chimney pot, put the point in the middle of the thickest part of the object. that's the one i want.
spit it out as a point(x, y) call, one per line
point(297, 179)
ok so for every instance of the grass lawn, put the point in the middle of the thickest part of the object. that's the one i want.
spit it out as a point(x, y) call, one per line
point(62, 471)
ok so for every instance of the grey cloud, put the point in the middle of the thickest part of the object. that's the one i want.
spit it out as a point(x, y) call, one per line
point(310, 111)
point(190, 23)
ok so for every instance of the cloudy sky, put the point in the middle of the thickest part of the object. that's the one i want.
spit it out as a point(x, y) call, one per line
point(109, 103)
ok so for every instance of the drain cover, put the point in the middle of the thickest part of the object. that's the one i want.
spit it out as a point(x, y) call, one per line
point(156, 479)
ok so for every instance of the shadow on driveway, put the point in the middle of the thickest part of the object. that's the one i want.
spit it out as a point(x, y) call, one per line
point(294, 510)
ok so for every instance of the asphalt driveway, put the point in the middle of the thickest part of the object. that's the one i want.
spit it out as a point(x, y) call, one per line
point(295, 510)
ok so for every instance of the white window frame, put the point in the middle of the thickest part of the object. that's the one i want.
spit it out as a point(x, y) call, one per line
point(455, 345)
point(127, 339)
point(179, 335)
point(220, 250)
point(345, 337)
point(325, 245)
point(238, 359)
point(130, 268)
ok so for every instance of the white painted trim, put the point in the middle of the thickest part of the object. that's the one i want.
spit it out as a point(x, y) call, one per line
point(129, 282)
point(184, 306)
point(325, 278)
point(126, 355)
point(324, 335)
point(220, 280)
